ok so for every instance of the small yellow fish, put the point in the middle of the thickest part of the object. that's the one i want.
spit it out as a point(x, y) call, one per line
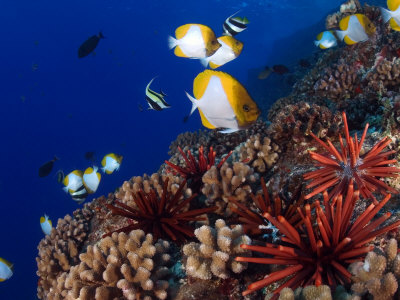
point(222, 102)
point(45, 224)
point(229, 50)
point(194, 41)
point(111, 162)
point(392, 15)
point(355, 28)
point(73, 181)
point(325, 40)
point(6, 269)
point(91, 179)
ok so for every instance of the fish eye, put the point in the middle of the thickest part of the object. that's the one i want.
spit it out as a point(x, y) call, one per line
point(246, 108)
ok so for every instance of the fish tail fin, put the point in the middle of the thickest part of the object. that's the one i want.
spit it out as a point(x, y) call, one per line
point(55, 158)
point(95, 168)
point(204, 61)
point(101, 36)
point(172, 42)
point(194, 103)
point(386, 14)
point(103, 169)
point(316, 43)
point(65, 188)
point(341, 34)
point(228, 130)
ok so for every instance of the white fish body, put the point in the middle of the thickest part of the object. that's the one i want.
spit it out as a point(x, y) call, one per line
point(74, 182)
point(6, 269)
point(215, 106)
point(355, 31)
point(222, 56)
point(91, 179)
point(192, 44)
point(45, 224)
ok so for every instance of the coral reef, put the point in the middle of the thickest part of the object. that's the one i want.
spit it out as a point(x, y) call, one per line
point(214, 256)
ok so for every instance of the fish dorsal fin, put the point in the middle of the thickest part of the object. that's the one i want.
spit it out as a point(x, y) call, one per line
point(6, 262)
point(181, 31)
point(213, 66)
point(394, 24)
point(178, 52)
point(88, 171)
point(205, 122)
point(78, 173)
point(348, 40)
point(201, 82)
point(393, 5)
point(103, 161)
point(42, 219)
point(344, 23)
point(319, 36)
point(322, 46)
point(98, 176)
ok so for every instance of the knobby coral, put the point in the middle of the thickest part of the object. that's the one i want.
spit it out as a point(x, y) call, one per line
point(167, 217)
point(339, 168)
point(321, 257)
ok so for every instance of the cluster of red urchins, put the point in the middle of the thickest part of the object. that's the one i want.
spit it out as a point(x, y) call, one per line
point(319, 254)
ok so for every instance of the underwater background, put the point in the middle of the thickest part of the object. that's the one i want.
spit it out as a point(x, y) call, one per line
point(54, 103)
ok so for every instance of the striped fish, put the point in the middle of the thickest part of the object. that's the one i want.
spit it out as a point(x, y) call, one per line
point(80, 194)
point(155, 100)
point(234, 25)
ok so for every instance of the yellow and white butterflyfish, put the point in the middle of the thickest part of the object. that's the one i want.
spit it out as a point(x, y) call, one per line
point(222, 102)
point(229, 50)
point(392, 14)
point(46, 224)
point(6, 269)
point(325, 40)
point(111, 162)
point(91, 179)
point(73, 181)
point(194, 41)
point(355, 28)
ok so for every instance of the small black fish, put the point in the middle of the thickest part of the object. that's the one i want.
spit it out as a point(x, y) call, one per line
point(304, 63)
point(89, 45)
point(46, 168)
point(89, 155)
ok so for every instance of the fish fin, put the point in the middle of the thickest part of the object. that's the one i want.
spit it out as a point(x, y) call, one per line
point(348, 40)
point(172, 42)
point(228, 130)
point(100, 35)
point(214, 66)
point(178, 52)
point(344, 23)
point(6, 262)
point(103, 169)
point(204, 61)
point(65, 188)
point(205, 121)
point(108, 172)
point(186, 118)
point(341, 34)
point(234, 14)
point(95, 168)
point(55, 158)
point(386, 14)
point(162, 93)
point(394, 24)
point(317, 43)
point(194, 103)
point(42, 219)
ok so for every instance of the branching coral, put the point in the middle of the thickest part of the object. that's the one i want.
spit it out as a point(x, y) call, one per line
point(378, 274)
point(121, 266)
point(215, 253)
point(339, 169)
point(194, 170)
point(321, 257)
point(163, 217)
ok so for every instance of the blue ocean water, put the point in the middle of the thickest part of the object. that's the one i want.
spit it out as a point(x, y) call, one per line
point(56, 104)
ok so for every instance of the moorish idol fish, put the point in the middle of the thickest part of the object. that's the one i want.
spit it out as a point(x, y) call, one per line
point(6, 269)
point(392, 14)
point(194, 41)
point(111, 162)
point(234, 25)
point(155, 100)
point(222, 102)
point(325, 40)
point(91, 179)
point(229, 50)
point(355, 28)
point(45, 224)
point(80, 194)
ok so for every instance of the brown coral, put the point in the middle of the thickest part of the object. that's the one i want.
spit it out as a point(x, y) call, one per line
point(214, 255)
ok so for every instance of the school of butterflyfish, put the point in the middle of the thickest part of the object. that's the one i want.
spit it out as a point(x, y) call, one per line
point(358, 28)
point(223, 103)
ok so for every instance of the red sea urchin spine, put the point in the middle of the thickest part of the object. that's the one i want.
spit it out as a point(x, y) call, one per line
point(341, 168)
